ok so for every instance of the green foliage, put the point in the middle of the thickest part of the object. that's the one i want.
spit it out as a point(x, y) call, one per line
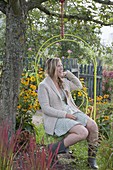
point(81, 97)
point(105, 118)
point(79, 156)
point(106, 153)
point(28, 102)
point(41, 28)
point(42, 137)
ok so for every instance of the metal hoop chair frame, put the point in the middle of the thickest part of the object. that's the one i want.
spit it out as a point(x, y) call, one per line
point(74, 39)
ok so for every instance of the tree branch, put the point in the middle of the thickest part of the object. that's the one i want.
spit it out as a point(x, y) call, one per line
point(3, 5)
point(37, 4)
point(78, 17)
point(31, 4)
point(106, 2)
point(16, 6)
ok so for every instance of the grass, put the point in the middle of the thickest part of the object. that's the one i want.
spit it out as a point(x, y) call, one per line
point(79, 152)
point(37, 156)
point(105, 155)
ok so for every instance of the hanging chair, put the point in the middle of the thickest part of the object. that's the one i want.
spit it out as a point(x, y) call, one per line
point(74, 39)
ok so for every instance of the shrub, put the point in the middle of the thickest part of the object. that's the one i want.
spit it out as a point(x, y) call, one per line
point(106, 153)
point(104, 118)
point(28, 101)
point(107, 84)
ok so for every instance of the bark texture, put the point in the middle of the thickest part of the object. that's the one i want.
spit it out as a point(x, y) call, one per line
point(13, 62)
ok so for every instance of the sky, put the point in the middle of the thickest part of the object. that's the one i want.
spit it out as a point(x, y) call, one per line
point(107, 35)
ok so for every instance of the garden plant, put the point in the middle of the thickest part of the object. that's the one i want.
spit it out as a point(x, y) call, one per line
point(29, 144)
point(104, 120)
point(24, 26)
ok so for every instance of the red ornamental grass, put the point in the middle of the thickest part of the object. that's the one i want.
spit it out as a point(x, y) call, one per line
point(14, 156)
point(36, 158)
point(7, 145)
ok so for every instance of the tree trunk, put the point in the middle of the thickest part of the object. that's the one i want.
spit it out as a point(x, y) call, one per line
point(12, 64)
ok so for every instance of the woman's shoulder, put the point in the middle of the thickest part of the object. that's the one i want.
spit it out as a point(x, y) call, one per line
point(44, 82)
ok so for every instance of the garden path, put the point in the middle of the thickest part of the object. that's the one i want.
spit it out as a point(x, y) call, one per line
point(37, 118)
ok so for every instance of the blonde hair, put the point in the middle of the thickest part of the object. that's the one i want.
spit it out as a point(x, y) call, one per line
point(51, 65)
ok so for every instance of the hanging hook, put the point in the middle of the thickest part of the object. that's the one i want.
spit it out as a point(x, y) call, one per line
point(62, 18)
point(62, 1)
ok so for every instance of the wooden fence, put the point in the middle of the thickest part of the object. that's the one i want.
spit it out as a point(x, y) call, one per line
point(86, 71)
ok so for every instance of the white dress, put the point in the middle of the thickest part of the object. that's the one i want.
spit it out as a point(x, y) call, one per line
point(63, 125)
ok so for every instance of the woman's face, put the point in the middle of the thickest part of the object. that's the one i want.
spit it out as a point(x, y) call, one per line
point(59, 69)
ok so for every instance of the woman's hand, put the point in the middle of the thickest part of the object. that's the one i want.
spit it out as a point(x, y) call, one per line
point(70, 116)
point(64, 73)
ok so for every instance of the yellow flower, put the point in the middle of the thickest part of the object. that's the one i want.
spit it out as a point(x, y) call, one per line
point(106, 117)
point(84, 89)
point(99, 98)
point(25, 97)
point(33, 93)
point(25, 101)
point(30, 107)
point(41, 76)
point(79, 93)
point(106, 96)
point(29, 91)
point(105, 102)
point(32, 78)
point(81, 79)
point(25, 81)
point(41, 69)
point(19, 106)
point(33, 87)
point(22, 80)
point(90, 99)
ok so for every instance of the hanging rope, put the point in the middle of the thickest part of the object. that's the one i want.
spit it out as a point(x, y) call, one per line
point(62, 18)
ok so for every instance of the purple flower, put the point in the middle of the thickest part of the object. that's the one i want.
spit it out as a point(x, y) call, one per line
point(63, 57)
point(30, 49)
point(36, 91)
point(110, 74)
point(58, 44)
point(104, 73)
point(69, 51)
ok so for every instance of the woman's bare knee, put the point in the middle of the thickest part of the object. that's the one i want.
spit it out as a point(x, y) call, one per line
point(81, 131)
point(92, 126)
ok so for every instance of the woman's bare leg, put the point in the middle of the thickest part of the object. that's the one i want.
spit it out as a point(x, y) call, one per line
point(92, 143)
point(76, 134)
point(93, 132)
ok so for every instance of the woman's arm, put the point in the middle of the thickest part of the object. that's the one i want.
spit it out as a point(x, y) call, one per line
point(74, 82)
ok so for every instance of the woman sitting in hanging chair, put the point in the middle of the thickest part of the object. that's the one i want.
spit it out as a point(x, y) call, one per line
point(61, 115)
